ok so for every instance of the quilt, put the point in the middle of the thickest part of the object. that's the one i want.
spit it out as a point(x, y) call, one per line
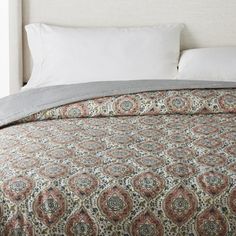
point(144, 162)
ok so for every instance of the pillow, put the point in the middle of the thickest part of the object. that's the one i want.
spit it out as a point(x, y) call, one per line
point(77, 55)
point(216, 64)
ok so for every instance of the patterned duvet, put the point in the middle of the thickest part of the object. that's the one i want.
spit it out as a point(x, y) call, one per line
point(147, 164)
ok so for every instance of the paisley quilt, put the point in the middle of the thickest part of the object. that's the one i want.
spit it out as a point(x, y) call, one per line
point(144, 164)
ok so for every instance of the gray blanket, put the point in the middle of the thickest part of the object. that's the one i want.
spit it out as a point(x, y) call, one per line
point(18, 106)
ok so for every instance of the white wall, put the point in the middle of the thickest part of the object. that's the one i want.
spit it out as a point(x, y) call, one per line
point(4, 49)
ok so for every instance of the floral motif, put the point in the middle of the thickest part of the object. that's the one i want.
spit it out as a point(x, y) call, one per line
point(60, 153)
point(118, 170)
point(18, 188)
point(83, 184)
point(49, 206)
point(53, 171)
point(204, 93)
point(92, 146)
point(122, 139)
point(211, 222)
point(149, 120)
point(67, 138)
point(123, 127)
point(228, 102)
point(181, 170)
point(178, 138)
point(180, 153)
point(178, 104)
point(149, 161)
point(25, 163)
point(151, 133)
point(213, 183)
point(120, 153)
point(115, 203)
point(232, 200)
point(159, 102)
point(208, 142)
point(180, 205)
point(87, 161)
point(78, 110)
point(148, 185)
point(81, 223)
point(146, 224)
point(18, 225)
point(150, 146)
point(126, 105)
point(114, 173)
point(205, 129)
point(212, 160)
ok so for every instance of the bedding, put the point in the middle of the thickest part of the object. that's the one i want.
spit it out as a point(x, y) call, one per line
point(156, 159)
point(79, 55)
point(208, 64)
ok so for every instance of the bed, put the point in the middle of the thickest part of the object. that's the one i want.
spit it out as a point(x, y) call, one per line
point(147, 158)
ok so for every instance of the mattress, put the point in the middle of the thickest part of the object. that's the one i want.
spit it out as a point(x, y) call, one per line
point(140, 158)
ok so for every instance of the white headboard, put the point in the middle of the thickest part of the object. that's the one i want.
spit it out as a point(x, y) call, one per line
point(208, 23)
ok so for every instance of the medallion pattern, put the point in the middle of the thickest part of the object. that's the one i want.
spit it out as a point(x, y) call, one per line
point(123, 165)
point(49, 206)
point(87, 161)
point(213, 183)
point(150, 146)
point(60, 153)
point(181, 170)
point(211, 222)
point(212, 160)
point(179, 104)
point(81, 223)
point(53, 171)
point(148, 185)
point(127, 105)
point(180, 205)
point(118, 170)
point(25, 163)
point(146, 224)
point(115, 203)
point(205, 129)
point(121, 153)
point(150, 162)
point(83, 184)
point(18, 225)
point(18, 188)
point(180, 153)
point(209, 143)
point(92, 146)
point(227, 102)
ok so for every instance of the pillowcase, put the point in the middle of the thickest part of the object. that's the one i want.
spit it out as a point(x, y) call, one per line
point(78, 55)
point(216, 64)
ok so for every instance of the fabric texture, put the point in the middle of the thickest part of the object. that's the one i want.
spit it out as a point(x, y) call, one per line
point(31, 101)
point(149, 163)
point(80, 55)
point(208, 64)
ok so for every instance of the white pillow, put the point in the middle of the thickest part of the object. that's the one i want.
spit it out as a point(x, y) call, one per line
point(78, 55)
point(216, 64)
